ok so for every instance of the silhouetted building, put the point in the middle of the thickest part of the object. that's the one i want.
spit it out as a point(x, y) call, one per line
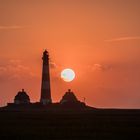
point(69, 97)
point(45, 87)
point(22, 98)
point(69, 100)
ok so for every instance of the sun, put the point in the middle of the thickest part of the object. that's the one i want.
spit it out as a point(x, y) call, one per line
point(68, 75)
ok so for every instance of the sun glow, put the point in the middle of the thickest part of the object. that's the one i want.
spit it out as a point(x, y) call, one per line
point(68, 75)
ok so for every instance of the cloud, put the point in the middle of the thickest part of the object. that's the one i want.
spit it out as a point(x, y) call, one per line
point(100, 67)
point(15, 62)
point(14, 69)
point(10, 27)
point(53, 65)
point(123, 39)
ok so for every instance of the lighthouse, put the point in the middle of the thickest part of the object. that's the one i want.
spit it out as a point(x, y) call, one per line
point(45, 85)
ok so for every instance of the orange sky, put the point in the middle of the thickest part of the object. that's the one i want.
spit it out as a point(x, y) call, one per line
point(99, 39)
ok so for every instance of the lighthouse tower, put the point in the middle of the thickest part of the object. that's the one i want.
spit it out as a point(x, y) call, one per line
point(45, 86)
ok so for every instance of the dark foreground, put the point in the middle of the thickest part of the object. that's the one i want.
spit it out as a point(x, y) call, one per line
point(97, 125)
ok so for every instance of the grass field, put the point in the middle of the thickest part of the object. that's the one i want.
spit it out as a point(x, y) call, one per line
point(98, 124)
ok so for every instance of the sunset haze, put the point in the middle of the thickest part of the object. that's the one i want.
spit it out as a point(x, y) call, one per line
point(98, 39)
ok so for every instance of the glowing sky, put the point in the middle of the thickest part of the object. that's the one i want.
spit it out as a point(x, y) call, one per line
point(98, 39)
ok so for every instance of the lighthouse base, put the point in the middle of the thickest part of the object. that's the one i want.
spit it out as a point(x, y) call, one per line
point(45, 101)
